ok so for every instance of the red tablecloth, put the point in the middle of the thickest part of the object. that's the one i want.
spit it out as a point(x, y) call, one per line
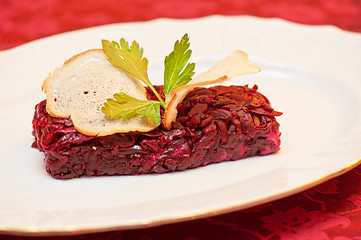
point(331, 210)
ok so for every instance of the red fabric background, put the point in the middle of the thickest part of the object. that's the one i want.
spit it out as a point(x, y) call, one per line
point(331, 210)
point(22, 21)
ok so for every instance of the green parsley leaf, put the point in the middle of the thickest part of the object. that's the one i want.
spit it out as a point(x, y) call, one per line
point(176, 73)
point(125, 107)
point(129, 59)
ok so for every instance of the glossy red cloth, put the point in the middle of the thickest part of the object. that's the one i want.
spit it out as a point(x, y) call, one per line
point(331, 210)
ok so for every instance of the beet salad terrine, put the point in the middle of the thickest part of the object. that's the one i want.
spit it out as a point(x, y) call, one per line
point(213, 125)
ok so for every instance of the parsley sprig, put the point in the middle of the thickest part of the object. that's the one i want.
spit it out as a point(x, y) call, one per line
point(129, 59)
point(125, 106)
point(177, 72)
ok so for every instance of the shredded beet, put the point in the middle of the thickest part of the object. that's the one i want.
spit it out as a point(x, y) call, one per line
point(213, 125)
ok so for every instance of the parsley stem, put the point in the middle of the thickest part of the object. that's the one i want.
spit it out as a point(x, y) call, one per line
point(158, 96)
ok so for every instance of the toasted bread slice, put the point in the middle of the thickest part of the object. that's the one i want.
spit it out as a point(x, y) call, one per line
point(235, 64)
point(80, 87)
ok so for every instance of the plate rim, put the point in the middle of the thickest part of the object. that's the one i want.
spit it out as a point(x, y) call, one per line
point(322, 27)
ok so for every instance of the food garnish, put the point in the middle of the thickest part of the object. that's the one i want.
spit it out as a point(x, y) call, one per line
point(125, 106)
point(177, 72)
point(102, 90)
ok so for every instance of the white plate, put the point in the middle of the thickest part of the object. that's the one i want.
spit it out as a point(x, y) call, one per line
point(312, 74)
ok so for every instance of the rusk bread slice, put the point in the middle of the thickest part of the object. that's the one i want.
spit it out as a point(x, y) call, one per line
point(235, 64)
point(80, 87)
